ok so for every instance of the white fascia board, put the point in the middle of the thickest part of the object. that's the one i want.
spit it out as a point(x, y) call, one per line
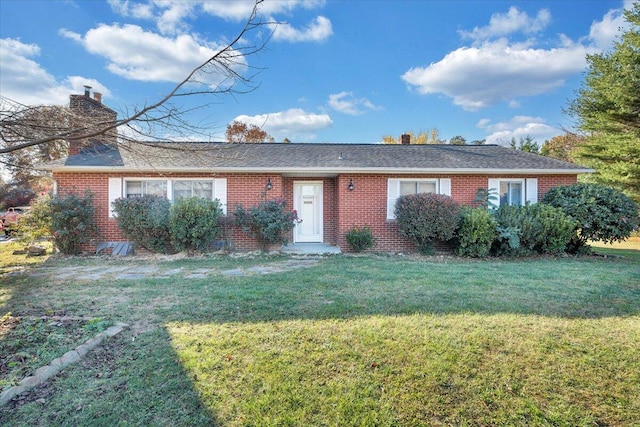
point(323, 170)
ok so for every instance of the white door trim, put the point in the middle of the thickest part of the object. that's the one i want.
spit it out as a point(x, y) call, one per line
point(317, 222)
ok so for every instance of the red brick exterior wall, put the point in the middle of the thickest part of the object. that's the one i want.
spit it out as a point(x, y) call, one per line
point(366, 205)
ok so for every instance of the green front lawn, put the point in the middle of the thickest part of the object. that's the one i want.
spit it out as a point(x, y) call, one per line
point(351, 341)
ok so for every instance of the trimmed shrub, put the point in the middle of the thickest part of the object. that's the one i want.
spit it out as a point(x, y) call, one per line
point(145, 220)
point(540, 229)
point(193, 223)
point(478, 230)
point(602, 213)
point(72, 221)
point(360, 239)
point(427, 217)
point(268, 221)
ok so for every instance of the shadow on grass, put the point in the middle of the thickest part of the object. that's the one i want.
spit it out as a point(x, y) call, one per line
point(129, 380)
point(132, 379)
point(143, 383)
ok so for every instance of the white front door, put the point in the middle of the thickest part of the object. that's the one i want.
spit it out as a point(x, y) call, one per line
point(307, 201)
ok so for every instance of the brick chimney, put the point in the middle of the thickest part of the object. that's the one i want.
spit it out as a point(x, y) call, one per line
point(89, 114)
point(405, 139)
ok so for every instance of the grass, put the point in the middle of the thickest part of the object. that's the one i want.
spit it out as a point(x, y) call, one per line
point(370, 340)
point(29, 343)
point(630, 248)
point(10, 262)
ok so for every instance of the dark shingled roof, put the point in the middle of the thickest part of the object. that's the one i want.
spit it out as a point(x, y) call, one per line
point(318, 158)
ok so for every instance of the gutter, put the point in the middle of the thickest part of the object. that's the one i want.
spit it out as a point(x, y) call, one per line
point(321, 170)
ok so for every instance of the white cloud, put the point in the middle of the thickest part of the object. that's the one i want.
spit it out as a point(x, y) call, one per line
point(476, 77)
point(295, 123)
point(132, 9)
point(496, 69)
point(25, 81)
point(603, 33)
point(318, 30)
point(345, 102)
point(238, 10)
point(502, 24)
point(518, 127)
point(171, 16)
point(141, 55)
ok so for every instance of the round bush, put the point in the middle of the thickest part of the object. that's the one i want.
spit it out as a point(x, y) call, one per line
point(145, 220)
point(478, 230)
point(269, 221)
point(72, 221)
point(193, 223)
point(603, 213)
point(360, 239)
point(426, 217)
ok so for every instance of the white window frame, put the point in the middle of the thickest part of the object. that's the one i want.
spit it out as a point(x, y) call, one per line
point(117, 188)
point(219, 190)
point(443, 186)
point(529, 188)
point(143, 179)
point(213, 186)
point(417, 182)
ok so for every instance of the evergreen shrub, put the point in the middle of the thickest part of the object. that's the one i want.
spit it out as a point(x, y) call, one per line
point(540, 228)
point(72, 221)
point(193, 223)
point(360, 238)
point(601, 213)
point(145, 220)
point(477, 231)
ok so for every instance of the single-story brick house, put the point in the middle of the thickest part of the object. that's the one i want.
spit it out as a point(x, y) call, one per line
point(333, 187)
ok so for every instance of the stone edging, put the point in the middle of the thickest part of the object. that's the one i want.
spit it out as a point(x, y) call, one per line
point(48, 371)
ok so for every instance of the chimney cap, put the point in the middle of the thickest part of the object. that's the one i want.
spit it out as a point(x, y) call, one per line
point(87, 90)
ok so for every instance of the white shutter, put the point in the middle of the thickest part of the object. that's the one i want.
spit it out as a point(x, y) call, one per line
point(494, 184)
point(445, 186)
point(170, 189)
point(220, 193)
point(392, 196)
point(115, 192)
point(532, 190)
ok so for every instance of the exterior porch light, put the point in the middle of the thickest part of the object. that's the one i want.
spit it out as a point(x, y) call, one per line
point(269, 186)
point(351, 186)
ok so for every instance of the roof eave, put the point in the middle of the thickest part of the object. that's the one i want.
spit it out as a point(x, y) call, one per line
point(323, 170)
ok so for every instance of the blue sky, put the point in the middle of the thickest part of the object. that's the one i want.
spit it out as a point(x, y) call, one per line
point(334, 71)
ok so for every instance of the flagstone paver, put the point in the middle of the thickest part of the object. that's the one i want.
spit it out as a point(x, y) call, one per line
point(138, 272)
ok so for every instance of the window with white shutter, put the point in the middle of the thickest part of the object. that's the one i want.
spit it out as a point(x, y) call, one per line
point(397, 187)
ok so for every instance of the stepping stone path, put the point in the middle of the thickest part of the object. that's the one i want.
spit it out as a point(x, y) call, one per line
point(131, 271)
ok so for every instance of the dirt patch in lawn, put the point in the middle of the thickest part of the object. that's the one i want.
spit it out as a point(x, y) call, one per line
point(154, 268)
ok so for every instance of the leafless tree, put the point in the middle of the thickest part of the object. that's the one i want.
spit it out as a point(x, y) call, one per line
point(25, 127)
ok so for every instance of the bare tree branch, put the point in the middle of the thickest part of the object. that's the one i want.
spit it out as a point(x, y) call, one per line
point(17, 135)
